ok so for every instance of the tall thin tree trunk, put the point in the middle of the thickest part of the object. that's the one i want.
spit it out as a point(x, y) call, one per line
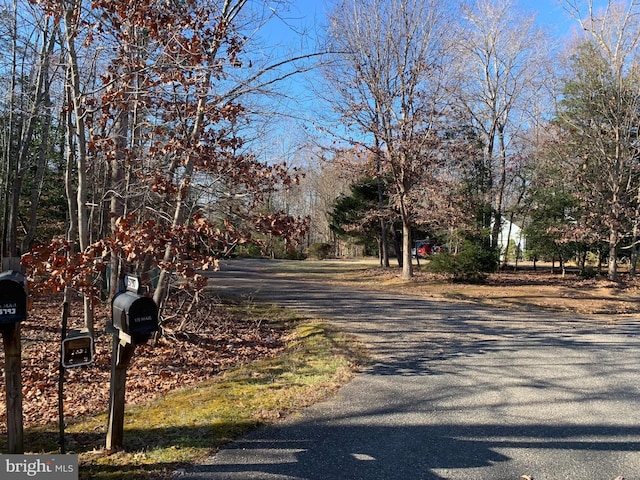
point(407, 263)
point(500, 187)
point(613, 253)
point(10, 213)
point(40, 108)
point(117, 204)
point(78, 133)
point(229, 11)
point(72, 199)
point(36, 190)
point(384, 241)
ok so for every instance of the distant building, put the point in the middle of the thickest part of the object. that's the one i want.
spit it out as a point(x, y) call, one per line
point(511, 232)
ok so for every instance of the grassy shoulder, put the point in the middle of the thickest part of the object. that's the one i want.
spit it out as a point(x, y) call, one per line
point(187, 425)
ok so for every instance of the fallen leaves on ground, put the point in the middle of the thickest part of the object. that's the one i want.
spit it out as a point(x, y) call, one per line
point(523, 288)
point(214, 340)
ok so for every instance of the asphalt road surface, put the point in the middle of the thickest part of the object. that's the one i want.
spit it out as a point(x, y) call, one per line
point(454, 391)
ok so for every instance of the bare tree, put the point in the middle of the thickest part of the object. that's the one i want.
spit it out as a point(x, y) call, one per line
point(600, 115)
point(42, 115)
point(26, 114)
point(501, 64)
point(388, 77)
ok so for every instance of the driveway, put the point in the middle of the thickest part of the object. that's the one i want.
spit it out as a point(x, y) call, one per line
point(454, 391)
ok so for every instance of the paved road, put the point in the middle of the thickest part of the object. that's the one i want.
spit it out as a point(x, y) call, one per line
point(456, 391)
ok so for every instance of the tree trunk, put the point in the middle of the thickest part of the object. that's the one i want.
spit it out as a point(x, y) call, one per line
point(72, 199)
point(9, 204)
point(42, 97)
point(384, 241)
point(178, 219)
point(613, 253)
point(407, 263)
point(500, 187)
point(384, 244)
point(117, 203)
point(78, 139)
point(505, 260)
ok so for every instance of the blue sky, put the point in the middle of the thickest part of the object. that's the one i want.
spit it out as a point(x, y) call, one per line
point(310, 16)
point(550, 13)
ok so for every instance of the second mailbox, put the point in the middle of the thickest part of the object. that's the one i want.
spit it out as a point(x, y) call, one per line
point(134, 314)
point(13, 297)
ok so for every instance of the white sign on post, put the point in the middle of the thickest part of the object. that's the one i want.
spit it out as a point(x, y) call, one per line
point(132, 283)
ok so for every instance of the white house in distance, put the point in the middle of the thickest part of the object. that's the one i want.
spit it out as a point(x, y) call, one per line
point(510, 231)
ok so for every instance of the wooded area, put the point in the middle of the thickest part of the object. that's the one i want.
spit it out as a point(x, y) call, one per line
point(471, 117)
point(138, 136)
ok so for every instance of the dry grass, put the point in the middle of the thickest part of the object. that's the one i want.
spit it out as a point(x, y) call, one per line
point(525, 288)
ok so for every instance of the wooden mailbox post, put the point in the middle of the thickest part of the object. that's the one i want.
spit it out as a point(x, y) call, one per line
point(134, 318)
point(13, 310)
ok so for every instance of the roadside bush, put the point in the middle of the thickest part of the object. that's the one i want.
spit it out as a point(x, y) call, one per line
point(589, 273)
point(295, 255)
point(472, 263)
point(319, 251)
point(248, 250)
point(281, 251)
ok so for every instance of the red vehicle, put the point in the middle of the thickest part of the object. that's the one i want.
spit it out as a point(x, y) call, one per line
point(422, 249)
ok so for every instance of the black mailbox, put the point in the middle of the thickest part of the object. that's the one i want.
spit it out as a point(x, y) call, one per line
point(134, 314)
point(13, 297)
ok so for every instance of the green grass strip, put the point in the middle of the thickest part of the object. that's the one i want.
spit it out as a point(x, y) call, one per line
point(186, 426)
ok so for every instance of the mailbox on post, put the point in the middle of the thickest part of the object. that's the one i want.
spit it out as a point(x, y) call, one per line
point(13, 297)
point(133, 319)
point(133, 315)
point(13, 310)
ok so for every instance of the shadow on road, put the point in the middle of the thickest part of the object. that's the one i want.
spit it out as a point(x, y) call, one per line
point(453, 390)
point(409, 452)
